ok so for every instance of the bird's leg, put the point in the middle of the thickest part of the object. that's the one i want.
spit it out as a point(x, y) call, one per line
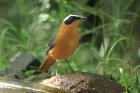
point(56, 71)
point(69, 65)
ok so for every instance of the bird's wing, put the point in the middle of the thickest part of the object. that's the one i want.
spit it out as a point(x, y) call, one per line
point(51, 43)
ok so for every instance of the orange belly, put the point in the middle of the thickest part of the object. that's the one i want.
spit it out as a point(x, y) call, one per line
point(66, 43)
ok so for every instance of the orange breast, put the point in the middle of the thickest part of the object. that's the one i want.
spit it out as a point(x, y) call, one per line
point(66, 42)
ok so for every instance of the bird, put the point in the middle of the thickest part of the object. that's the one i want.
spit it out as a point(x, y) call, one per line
point(63, 43)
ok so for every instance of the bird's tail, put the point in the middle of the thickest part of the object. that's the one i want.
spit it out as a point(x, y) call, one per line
point(47, 63)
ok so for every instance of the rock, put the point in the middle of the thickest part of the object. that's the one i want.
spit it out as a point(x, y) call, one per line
point(19, 63)
point(84, 83)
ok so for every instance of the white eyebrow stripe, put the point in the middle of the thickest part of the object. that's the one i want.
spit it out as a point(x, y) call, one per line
point(70, 16)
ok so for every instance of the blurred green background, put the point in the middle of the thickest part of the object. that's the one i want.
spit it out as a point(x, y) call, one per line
point(109, 42)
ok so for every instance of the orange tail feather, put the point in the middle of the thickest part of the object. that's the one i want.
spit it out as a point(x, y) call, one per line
point(46, 65)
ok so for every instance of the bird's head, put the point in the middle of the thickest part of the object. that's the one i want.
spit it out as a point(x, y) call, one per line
point(73, 20)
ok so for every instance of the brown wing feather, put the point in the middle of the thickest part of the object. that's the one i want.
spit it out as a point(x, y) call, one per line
point(48, 59)
point(51, 43)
